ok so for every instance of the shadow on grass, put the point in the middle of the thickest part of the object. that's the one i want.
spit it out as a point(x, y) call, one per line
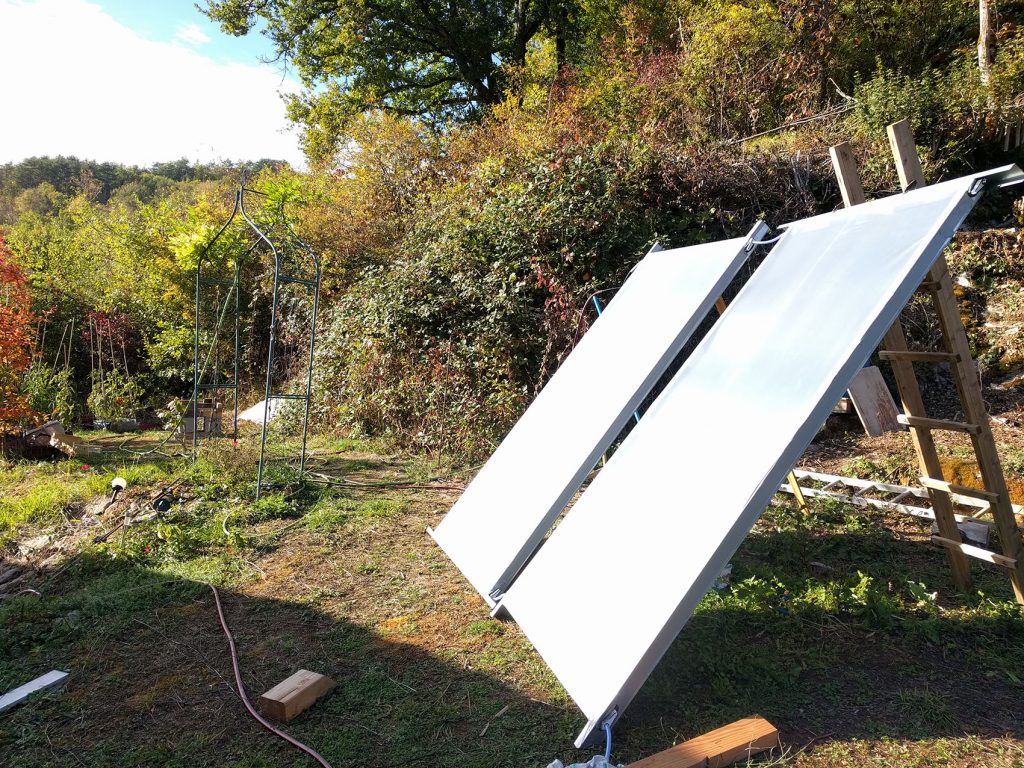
point(823, 654)
point(823, 634)
point(151, 683)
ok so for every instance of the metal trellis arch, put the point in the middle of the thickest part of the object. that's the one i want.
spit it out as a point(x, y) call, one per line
point(288, 242)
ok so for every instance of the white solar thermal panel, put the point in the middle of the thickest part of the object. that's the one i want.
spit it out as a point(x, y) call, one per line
point(614, 584)
point(504, 513)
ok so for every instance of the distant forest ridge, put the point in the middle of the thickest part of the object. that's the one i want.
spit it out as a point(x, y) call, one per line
point(71, 176)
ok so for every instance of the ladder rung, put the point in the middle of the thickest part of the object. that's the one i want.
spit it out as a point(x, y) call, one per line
point(216, 281)
point(287, 397)
point(982, 511)
point(921, 422)
point(217, 386)
point(959, 490)
point(922, 357)
point(978, 552)
point(865, 489)
point(299, 280)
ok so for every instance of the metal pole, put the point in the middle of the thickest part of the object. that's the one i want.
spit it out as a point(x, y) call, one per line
point(238, 290)
point(309, 373)
point(196, 373)
point(195, 368)
point(312, 334)
point(273, 333)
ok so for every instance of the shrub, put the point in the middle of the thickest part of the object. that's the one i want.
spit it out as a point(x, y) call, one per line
point(115, 395)
point(51, 392)
point(16, 337)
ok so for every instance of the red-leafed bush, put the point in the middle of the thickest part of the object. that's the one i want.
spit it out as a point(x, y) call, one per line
point(16, 321)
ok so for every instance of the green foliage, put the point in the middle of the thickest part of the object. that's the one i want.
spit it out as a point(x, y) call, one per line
point(51, 392)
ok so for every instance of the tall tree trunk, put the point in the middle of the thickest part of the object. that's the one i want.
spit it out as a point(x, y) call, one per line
point(561, 25)
point(520, 34)
point(986, 39)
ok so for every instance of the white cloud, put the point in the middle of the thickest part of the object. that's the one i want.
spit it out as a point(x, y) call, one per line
point(191, 34)
point(79, 83)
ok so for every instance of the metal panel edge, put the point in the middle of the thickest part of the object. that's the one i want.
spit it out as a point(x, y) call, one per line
point(508, 576)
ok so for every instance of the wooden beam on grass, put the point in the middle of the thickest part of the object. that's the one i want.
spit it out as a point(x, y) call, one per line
point(718, 748)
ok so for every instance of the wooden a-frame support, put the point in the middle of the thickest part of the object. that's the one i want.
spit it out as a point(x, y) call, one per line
point(964, 372)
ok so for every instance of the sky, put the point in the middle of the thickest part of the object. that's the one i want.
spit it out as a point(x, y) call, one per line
point(137, 82)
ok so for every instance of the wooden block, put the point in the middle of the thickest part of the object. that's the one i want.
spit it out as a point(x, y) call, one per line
point(295, 694)
point(49, 681)
point(843, 406)
point(873, 402)
point(720, 747)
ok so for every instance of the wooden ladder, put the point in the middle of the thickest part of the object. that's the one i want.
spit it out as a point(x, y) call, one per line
point(965, 376)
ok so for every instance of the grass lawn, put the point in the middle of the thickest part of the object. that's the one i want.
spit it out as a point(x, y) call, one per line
point(840, 627)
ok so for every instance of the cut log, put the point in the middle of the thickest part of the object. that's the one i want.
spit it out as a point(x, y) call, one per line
point(720, 747)
point(294, 695)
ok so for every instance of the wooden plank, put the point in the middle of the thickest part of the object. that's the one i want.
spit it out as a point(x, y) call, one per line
point(920, 357)
point(908, 164)
point(294, 694)
point(48, 682)
point(720, 747)
point(922, 422)
point(976, 552)
point(873, 402)
point(960, 490)
point(845, 167)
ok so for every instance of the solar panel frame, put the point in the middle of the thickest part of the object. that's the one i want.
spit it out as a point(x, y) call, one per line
point(505, 512)
point(581, 573)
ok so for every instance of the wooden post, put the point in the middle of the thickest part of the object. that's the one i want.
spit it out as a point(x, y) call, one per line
point(904, 152)
point(846, 174)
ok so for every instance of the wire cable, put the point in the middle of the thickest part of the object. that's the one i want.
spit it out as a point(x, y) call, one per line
point(245, 699)
point(607, 742)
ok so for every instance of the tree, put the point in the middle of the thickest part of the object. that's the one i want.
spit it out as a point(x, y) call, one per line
point(986, 39)
point(433, 59)
point(16, 321)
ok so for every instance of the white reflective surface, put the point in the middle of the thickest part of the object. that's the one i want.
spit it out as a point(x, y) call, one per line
point(509, 506)
point(616, 581)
